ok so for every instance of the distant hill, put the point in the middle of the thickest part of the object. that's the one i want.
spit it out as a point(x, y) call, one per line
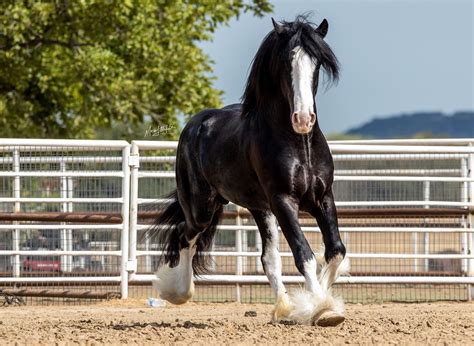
point(423, 124)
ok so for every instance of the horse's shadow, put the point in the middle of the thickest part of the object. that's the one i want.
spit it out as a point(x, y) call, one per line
point(137, 325)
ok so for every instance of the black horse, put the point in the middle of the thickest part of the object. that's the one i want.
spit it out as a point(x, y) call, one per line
point(268, 155)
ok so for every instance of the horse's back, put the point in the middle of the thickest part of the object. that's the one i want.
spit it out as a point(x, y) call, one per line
point(208, 120)
point(214, 146)
point(209, 136)
point(227, 111)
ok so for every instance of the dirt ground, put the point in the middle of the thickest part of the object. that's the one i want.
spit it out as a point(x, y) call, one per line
point(133, 322)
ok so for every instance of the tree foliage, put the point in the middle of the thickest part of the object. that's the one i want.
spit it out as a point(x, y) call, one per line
point(70, 67)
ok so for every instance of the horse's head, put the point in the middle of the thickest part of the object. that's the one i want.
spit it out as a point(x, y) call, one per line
point(302, 53)
point(285, 72)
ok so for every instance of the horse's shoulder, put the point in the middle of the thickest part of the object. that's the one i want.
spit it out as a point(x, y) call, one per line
point(218, 119)
point(210, 115)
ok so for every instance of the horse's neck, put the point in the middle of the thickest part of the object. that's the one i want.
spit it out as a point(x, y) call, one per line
point(275, 114)
point(275, 118)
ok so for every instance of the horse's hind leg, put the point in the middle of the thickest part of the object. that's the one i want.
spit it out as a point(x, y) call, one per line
point(271, 261)
point(174, 281)
point(201, 211)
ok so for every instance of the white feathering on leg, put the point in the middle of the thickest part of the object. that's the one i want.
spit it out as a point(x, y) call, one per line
point(329, 272)
point(307, 306)
point(176, 284)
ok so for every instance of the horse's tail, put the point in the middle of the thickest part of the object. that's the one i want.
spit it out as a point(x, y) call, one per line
point(167, 232)
point(202, 261)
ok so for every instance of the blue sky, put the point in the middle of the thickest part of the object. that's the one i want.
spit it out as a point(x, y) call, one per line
point(396, 56)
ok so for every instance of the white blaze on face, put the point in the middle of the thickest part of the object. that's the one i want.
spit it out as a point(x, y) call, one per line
point(302, 72)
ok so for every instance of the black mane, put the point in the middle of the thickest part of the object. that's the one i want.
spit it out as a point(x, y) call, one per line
point(271, 54)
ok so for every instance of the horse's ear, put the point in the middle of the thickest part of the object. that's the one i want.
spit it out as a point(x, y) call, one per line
point(278, 27)
point(322, 29)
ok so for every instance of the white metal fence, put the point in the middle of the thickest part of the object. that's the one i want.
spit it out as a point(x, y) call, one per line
point(115, 179)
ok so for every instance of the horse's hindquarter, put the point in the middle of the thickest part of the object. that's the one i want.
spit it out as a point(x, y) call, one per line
point(222, 143)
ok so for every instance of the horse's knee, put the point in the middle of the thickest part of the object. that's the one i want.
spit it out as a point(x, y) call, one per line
point(337, 249)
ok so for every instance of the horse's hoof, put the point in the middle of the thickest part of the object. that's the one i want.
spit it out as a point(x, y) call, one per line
point(328, 318)
point(282, 310)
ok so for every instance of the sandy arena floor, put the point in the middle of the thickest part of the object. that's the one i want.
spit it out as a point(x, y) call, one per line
point(133, 322)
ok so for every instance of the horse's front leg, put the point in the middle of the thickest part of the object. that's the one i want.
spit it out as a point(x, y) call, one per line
point(271, 261)
point(335, 251)
point(315, 305)
point(286, 210)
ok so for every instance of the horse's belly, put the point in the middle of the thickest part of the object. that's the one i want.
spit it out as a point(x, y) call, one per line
point(250, 203)
point(245, 194)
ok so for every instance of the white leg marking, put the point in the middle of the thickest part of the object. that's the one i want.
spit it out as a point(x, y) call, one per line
point(272, 266)
point(176, 284)
point(316, 304)
point(331, 271)
point(310, 275)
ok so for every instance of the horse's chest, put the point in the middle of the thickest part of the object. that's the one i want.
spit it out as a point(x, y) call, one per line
point(308, 183)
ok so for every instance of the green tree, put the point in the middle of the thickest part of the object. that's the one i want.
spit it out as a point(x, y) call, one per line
point(70, 67)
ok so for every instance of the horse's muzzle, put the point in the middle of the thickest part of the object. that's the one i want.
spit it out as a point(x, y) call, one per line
point(303, 122)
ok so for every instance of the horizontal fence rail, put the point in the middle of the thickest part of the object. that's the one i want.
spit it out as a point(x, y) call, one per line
point(73, 211)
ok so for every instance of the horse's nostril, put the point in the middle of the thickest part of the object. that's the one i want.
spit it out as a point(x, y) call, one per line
point(294, 117)
point(313, 117)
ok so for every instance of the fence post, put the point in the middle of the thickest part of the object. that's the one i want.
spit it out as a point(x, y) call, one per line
point(17, 208)
point(238, 248)
point(125, 221)
point(414, 238)
point(63, 233)
point(258, 248)
point(70, 209)
point(464, 198)
point(134, 164)
point(470, 220)
point(66, 236)
point(245, 246)
point(426, 236)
